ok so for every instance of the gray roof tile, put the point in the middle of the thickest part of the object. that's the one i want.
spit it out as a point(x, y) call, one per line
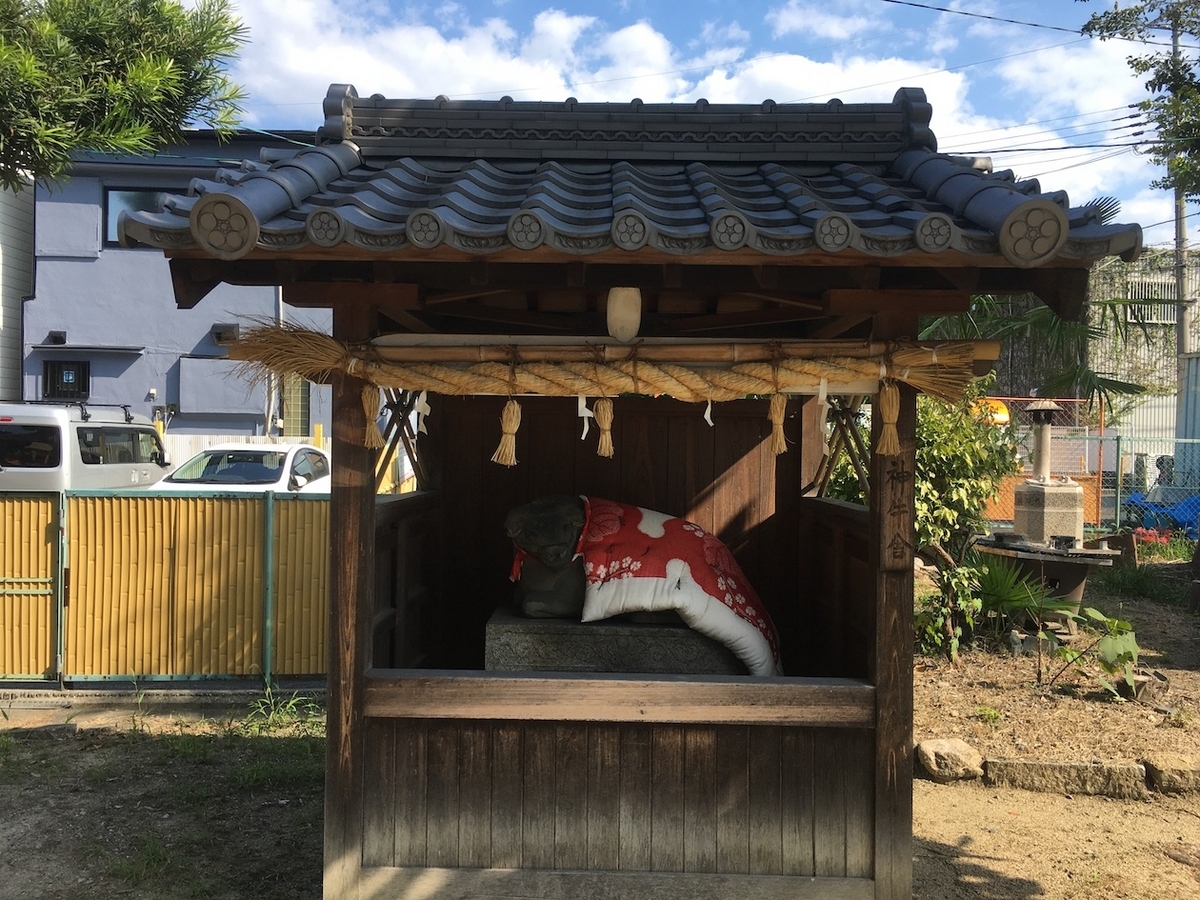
point(482, 176)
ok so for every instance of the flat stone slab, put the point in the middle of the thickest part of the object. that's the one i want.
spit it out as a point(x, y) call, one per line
point(1123, 782)
point(516, 644)
point(1173, 773)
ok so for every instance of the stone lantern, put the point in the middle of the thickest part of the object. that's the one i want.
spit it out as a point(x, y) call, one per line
point(1045, 507)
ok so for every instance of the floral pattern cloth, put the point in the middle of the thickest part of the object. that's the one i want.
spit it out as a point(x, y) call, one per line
point(638, 560)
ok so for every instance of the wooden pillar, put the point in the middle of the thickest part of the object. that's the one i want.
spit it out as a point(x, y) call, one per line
point(891, 659)
point(351, 601)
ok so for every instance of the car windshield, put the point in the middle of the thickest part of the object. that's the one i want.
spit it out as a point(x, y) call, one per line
point(231, 467)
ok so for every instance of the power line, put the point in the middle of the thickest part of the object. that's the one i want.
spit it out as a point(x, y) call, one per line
point(975, 15)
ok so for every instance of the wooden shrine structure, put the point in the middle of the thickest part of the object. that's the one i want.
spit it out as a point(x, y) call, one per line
point(631, 263)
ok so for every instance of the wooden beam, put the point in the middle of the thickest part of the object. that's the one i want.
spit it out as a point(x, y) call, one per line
point(825, 702)
point(840, 301)
point(548, 884)
point(189, 285)
point(719, 321)
point(341, 293)
point(837, 327)
point(463, 309)
point(351, 606)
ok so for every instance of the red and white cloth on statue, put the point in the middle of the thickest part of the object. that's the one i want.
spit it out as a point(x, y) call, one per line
point(637, 560)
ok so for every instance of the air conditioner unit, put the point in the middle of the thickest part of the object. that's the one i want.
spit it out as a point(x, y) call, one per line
point(224, 333)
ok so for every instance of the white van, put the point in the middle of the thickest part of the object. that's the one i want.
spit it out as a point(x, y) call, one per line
point(55, 447)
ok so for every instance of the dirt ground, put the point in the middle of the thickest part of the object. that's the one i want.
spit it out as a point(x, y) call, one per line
point(974, 841)
point(133, 802)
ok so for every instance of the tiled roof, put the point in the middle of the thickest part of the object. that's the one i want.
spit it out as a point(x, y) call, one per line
point(399, 177)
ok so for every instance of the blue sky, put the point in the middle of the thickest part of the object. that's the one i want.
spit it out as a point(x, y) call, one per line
point(1040, 100)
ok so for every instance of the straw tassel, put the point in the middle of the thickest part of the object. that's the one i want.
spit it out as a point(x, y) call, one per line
point(889, 411)
point(603, 412)
point(510, 421)
point(775, 414)
point(370, 401)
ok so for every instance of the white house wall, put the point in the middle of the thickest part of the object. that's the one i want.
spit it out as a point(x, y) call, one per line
point(16, 282)
point(117, 307)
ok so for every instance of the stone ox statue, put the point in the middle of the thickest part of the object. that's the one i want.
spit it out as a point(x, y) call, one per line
point(588, 558)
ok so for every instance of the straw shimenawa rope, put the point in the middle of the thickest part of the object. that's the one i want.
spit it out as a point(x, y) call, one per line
point(945, 371)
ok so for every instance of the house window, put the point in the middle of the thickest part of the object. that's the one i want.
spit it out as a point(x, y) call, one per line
point(295, 406)
point(116, 201)
point(66, 380)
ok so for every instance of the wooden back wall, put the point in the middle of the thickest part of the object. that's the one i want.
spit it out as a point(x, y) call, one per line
point(724, 478)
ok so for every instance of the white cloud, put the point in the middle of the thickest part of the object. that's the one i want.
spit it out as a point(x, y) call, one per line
point(299, 48)
point(836, 21)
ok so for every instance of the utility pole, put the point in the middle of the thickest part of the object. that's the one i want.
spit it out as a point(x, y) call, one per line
point(1182, 298)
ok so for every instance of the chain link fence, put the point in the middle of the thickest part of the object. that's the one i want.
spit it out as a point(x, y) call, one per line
point(1127, 482)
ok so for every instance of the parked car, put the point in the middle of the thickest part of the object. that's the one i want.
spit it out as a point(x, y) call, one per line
point(58, 447)
point(253, 468)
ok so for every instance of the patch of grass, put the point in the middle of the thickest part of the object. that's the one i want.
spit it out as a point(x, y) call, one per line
point(1141, 581)
point(1178, 718)
point(274, 712)
point(149, 858)
point(187, 746)
point(989, 715)
point(282, 762)
point(8, 754)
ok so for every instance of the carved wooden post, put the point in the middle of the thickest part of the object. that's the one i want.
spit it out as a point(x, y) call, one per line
point(892, 549)
point(351, 600)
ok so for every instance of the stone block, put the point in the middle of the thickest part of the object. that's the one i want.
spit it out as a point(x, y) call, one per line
point(515, 644)
point(1172, 773)
point(949, 759)
point(1124, 782)
point(1043, 510)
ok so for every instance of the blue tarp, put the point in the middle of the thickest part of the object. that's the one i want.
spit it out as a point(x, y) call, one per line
point(1174, 516)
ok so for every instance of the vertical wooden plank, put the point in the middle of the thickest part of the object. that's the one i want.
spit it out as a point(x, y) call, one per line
point(860, 804)
point(666, 798)
point(442, 792)
point(411, 777)
point(537, 850)
point(680, 475)
point(733, 802)
point(796, 809)
point(379, 798)
point(766, 811)
point(596, 475)
point(829, 803)
point(700, 799)
point(570, 796)
point(351, 600)
point(604, 799)
point(701, 492)
point(892, 517)
point(643, 450)
point(635, 799)
point(475, 795)
point(507, 795)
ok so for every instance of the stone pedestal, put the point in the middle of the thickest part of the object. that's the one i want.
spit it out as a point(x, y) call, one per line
point(514, 643)
point(1044, 509)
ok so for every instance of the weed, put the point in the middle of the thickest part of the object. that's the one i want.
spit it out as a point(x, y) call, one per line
point(1140, 581)
point(187, 746)
point(1178, 718)
point(138, 724)
point(149, 858)
point(8, 752)
point(273, 712)
point(282, 761)
point(989, 715)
